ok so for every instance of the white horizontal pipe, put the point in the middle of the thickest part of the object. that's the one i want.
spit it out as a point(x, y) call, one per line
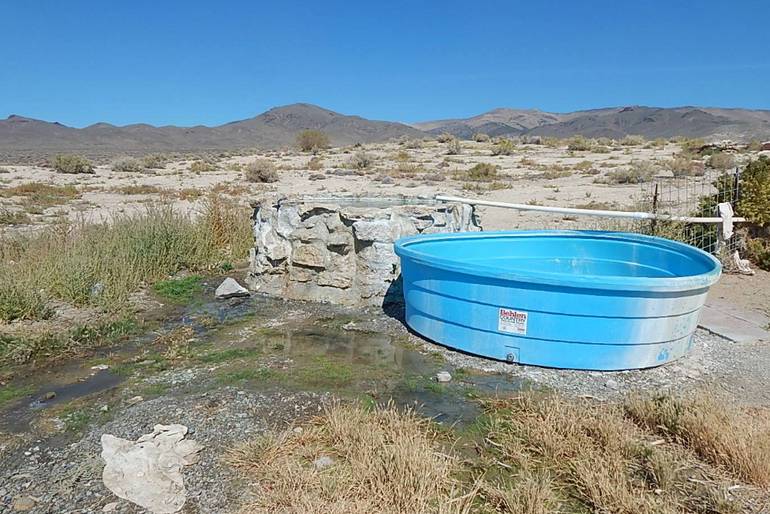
point(585, 212)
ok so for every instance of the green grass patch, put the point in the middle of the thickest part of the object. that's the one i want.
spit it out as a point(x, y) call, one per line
point(247, 375)
point(322, 371)
point(101, 264)
point(228, 355)
point(9, 393)
point(179, 290)
point(76, 421)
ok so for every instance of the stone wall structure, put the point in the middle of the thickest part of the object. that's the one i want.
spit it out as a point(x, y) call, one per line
point(340, 249)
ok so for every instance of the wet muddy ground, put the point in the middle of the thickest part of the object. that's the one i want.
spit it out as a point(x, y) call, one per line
point(232, 369)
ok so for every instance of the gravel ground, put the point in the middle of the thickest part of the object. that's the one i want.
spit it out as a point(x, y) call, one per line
point(59, 473)
point(66, 478)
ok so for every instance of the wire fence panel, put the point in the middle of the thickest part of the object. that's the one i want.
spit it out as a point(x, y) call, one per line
point(694, 195)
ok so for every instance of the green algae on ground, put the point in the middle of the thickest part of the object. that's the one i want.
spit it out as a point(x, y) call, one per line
point(9, 393)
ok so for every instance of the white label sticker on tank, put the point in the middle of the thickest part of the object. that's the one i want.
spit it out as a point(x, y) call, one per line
point(514, 322)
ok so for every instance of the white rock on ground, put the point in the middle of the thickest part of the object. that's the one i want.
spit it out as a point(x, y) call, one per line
point(230, 288)
point(443, 376)
point(148, 472)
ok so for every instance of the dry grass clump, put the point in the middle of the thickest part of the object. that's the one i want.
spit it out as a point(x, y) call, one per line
point(261, 171)
point(67, 261)
point(581, 456)
point(154, 161)
point(70, 163)
point(38, 196)
point(380, 460)
point(315, 163)
point(203, 166)
point(312, 141)
point(722, 435)
point(13, 217)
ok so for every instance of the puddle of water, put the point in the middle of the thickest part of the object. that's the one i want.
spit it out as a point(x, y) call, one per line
point(263, 343)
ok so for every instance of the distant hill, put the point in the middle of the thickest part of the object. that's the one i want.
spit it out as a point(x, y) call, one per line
point(278, 127)
point(651, 122)
point(275, 128)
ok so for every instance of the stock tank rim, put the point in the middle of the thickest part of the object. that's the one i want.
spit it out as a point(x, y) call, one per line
point(409, 247)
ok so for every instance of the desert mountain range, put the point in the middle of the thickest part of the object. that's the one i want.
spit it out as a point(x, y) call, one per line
point(279, 126)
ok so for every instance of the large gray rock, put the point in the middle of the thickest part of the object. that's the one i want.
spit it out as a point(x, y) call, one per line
point(230, 288)
point(341, 249)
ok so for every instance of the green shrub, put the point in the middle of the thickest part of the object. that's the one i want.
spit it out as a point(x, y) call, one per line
point(758, 251)
point(482, 171)
point(261, 171)
point(722, 161)
point(754, 203)
point(312, 141)
point(504, 147)
point(70, 163)
point(128, 165)
point(480, 137)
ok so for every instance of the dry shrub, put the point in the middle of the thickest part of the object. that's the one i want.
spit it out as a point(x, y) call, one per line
point(722, 161)
point(637, 173)
point(445, 137)
point(632, 140)
point(504, 147)
point(684, 166)
point(128, 165)
point(480, 137)
point(262, 171)
point(579, 144)
point(70, 163)
point(383, 460)
point(203, 166)
point(315, 163)
point(454, 147)
point(719, 433)
point(528, 493)
point(312, 141)
point(481, 171)
point(361, 160)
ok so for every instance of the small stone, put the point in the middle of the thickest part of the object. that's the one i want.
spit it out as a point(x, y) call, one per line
point(134, 400)
point(23, 503)
point(443, 376)
point(96, 290)
point(323, 462)
point(297, 430)
point(611, 384)
point(100, 367)
point(50, 395)
point(230, 288)
point(105, 408)
point(110, 507)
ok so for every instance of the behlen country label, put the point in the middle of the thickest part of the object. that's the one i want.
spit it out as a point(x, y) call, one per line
point(511, 321)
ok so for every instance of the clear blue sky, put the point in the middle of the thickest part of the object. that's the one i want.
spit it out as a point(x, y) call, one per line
point(190, 62)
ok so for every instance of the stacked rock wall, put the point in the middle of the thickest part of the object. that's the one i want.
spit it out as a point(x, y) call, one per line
point(340, 249)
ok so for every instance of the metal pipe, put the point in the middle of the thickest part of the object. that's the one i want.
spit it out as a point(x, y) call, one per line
point(586, 212)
